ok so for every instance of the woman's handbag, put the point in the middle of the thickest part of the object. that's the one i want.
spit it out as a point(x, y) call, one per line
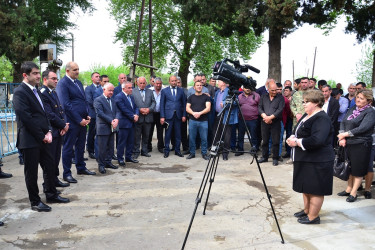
point(341, 165)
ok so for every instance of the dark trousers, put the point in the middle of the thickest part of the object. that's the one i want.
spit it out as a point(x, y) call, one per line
point(218, 132)
point(159, 132)
point(75, 137)
point(251, 125)
point(105, 148)
point(142, 134)
point(125, 140)
point(32, 158)
point(174, 128)
point(91, 136)
point(271, 130)
point(56, 152)
point(184, 137)
point(288, 133)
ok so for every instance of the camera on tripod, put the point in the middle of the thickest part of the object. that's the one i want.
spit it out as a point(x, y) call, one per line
point(233, 74)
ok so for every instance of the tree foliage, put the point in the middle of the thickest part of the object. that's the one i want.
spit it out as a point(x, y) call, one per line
point(279, 17)
point(365, 64)
point(24, 24)
point(179, 45)
point(6, 70)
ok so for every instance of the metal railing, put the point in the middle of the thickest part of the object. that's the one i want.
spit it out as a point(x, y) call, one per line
point(8, 125)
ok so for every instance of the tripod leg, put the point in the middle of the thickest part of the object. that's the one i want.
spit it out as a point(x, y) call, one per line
point(212, 179)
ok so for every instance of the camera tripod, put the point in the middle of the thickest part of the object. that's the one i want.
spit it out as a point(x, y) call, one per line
point(216, 150)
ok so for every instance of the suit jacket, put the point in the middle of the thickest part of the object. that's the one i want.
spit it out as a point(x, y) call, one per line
point(73, 100)
point(104, 115)
point(54, 110)
point(233, 119)
point(32, 121)
point(125, 112)
point(148, 103)
point(117, 90)
point(98, 92)
point(333, 111)
point(169, 104)
point(316, 133)
point(262, 90)
point(90, 97)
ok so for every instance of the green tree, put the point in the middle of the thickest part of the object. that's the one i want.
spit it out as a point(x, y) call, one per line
point(279, 17)
point(365, 65)
point(6, 70)
point(24, 24)
point(178, 45)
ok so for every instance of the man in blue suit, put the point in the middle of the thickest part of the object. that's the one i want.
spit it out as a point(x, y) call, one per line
point(104, 79)
point(106, 124)
point(89, 93)
point(173, 111)
point(72, 97)
point(121, 79)
point(127, 114)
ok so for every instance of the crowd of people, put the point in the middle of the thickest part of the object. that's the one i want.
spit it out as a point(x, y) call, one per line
point(52, 126)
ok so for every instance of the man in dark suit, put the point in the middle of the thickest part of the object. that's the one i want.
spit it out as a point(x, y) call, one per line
point(104, 79)
point(106, 124)
point(72, 97)
point(56, 117)
point(145, 101)
point(89, 93)
point(156, 89)
point(121, 79)
point(34, 136)
point(172, 111)
point(127, 113)
point(332, 108)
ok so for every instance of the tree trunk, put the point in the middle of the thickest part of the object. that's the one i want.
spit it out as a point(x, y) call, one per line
point(17, 76)
point(183, 71)
point(274, 58)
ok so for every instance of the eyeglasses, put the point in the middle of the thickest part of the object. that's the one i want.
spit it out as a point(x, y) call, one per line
point(303, 102)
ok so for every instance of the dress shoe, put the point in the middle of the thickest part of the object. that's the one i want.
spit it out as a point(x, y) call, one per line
point(58, 199)
point(300, 214)
point(166, 154)
point(110, 165)
point(178, 154)
point(121, 163)
point(135, 156)
point(1, 223)
point(132, 160)
point(238, 154)
point(343, 193)
point(85, 159)
point(92, 155)
point(206, 157)
point(351, 198)
point(145, 154)
point(367, 194)
point(275, 162)
point(70, 179)
point(161, 150)
point(41, 207)
point(114, 157)
point(59, 183)
point(286, 155)
point(4, 175)
point(305, 220)
point(21, 161)
point(225, 157)
point(190, 156)
point(360, 188)
point(262, 159)
point(280, 158)
point(102, 170)
point(86, 172)
point(186, 152)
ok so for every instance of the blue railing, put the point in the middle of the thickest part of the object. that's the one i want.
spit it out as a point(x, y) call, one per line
point(8, 125)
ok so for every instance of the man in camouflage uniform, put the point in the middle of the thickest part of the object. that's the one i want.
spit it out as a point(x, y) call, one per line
point(297, 98)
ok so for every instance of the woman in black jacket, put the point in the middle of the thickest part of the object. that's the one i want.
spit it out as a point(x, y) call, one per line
point(356, 134)
point(313, 157)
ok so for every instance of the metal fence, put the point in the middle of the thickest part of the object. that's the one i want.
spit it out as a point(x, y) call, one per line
point(8, 125)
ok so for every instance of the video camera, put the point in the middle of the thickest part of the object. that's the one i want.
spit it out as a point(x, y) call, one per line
point(233, 74)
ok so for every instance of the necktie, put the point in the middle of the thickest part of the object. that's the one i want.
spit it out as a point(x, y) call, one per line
point(38, 97)
point(130, 100)
point(174, 92)
point(143, 94)
point(109, 101)
point(75, 83)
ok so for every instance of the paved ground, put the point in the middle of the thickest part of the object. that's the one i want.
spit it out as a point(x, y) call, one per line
point(149, 206)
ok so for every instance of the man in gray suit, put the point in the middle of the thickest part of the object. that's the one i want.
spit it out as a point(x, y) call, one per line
point(106, 125)
point(145, 101)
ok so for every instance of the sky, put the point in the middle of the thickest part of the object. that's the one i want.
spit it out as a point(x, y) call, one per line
point(336, 58)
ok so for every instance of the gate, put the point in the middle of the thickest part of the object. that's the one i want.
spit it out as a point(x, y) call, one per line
point(8, 125)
